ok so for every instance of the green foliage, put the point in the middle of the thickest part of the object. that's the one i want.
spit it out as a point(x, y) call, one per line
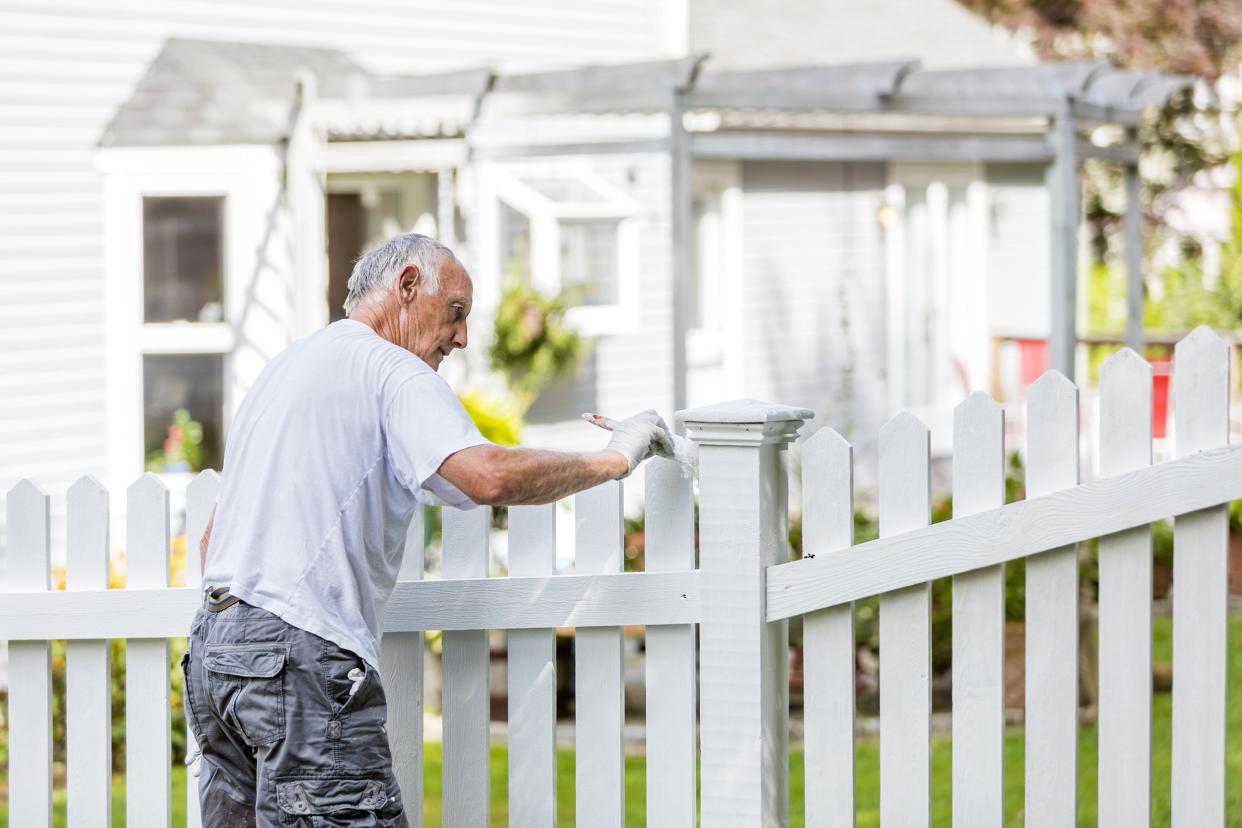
point(531, 344)
point(498, 420)
point(183, 446)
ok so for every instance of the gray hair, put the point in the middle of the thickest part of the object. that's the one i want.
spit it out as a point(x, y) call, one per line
point(380, 266)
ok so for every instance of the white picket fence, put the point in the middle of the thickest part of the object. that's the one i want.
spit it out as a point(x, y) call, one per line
point(740, 598)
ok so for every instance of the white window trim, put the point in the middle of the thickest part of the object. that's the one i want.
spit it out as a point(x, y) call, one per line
point(545, 216)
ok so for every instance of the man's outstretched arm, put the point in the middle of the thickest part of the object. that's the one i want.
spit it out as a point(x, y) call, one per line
point(496, 476)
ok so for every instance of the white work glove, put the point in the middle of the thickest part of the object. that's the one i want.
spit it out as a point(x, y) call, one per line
point(638, 437)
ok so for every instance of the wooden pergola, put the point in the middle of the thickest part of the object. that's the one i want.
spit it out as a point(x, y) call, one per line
point(1045, 114)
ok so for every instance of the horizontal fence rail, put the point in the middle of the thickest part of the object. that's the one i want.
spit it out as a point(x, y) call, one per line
point(1018, 530)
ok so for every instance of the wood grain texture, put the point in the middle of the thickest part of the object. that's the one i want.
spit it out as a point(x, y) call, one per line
point(1031, 526)
point(1052, 614)
point(30, 664)
point(978, 623)
point(200, 505)
point(828, 636)
point(148, 717)
point(401, 670)
point(905, 633)
point(532, 679)
point(598, 687)
point(1125, 605)
point(467, 703)
point(670, 655)
point(1200, 590)
point(88, 677)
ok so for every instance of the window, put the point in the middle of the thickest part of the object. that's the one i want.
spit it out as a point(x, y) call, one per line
point(183, 338)
point(567, 231)
point(182, 259)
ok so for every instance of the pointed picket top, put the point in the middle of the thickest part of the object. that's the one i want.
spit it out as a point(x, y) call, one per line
point(827, 493)
point(147, 485)
point(905, 482)
point(200, 504)
point(205, 486)
point(1201, 392)
point(29, 536)
point(978, 455)
point(147, 525)
point(1125, 413)
point(86, 535)
point(1051, 432)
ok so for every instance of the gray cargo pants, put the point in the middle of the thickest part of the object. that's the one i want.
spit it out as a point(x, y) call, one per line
point(291, 727)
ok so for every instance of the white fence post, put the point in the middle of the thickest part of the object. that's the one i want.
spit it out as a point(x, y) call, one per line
point(532, 679)
point(828, 659)
point(200, 504)
point(1052, 615)
point(88, 677)
point(30, 665)
point(401, 669)
point(1200, 591)
point(671, 692)
point(905, 633)
point(1125, 605)
point(978, 623)
point(599, 701)
point(467, 703)
point(148, 717)
point(744, 660)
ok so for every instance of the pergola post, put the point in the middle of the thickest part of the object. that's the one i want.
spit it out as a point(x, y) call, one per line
point(681, 252)
point(304, 184)
point(1062, 183)
point(1134, 258)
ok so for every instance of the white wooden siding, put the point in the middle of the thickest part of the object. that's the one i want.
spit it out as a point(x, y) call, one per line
point(1018, 264)
point(65, 65)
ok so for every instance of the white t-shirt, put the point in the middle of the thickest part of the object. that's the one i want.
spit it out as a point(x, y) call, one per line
point(332, 450)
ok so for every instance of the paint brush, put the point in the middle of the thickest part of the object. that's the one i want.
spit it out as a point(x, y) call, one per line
point(684, 451)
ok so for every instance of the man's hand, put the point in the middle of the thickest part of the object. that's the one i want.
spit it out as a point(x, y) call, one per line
point(638, 437)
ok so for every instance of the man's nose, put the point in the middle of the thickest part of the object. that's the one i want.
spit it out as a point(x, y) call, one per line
point(460, 337)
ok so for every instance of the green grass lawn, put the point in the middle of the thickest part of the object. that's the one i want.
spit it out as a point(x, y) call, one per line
point(868, 763)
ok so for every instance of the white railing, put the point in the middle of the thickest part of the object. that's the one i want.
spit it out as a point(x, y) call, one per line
point(740, 597)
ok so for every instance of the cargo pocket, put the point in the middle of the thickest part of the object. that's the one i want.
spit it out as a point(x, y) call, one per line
point(332, 801)
point(246, 686)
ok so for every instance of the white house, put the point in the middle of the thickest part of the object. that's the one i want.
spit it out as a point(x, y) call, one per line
point(184, 189)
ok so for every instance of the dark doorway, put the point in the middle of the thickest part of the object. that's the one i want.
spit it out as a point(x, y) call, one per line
point(347, 235)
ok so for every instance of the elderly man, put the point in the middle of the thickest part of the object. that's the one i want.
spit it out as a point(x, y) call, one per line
point(341, 438)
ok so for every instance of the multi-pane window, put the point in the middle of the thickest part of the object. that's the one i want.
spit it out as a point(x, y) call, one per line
point(589, 261)
point(182, 259)
point(183, 402)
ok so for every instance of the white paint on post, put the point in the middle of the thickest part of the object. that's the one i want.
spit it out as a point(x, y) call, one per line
point(905, 633)
point(1052, 615)
point(88, 678)
point(532, 679)
point(1125, 605)
point(30, 664)
point(978, 623)
point(148, 720)
point(598, 689)
point(401, 669)
point(744, 660)
point(200, 505)
point(467, 703)
point(1200, 591)
point(671, 691)
point(828, 636)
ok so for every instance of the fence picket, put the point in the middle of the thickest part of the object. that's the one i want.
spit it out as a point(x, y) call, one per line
point(148, 750)
point(30, 664)
point(905, 633)
point(671, 691)
point(467, 703)
point(828, 636)
point(598, 699)
point(200, 504)
point(1052, 614)
point(401, 669)
point(1200, 591)
point(88, 677)
point(978, 623)
point(532, 679)
point(1125, 604)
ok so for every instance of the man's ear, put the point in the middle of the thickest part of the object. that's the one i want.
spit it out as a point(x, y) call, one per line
point(408, 282)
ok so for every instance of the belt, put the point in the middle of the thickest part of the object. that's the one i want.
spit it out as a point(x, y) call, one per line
point(218, 599)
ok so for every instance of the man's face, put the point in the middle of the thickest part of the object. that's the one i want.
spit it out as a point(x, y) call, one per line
point(436, 322)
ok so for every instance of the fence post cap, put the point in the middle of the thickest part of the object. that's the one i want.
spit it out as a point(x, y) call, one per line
point(750, 421)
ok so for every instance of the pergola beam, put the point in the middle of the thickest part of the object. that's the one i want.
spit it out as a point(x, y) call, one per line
point(790, 146)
